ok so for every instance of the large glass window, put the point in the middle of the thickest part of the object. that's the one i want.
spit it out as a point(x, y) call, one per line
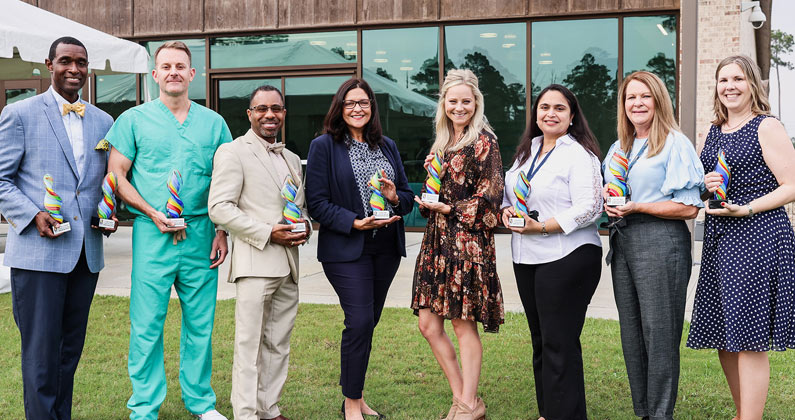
point(650, 44)
point(116, 93)
point(308, 100)
point(16, 95)
point(497, 55)
point(198, 89)
point(402, 67)
point(283, 50)
point(583, 56)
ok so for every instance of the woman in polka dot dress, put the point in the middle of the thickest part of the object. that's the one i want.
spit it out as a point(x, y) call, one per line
point(744, 303)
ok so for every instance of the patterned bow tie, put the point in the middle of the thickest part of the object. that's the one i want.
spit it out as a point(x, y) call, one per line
point(77, 108)
point(275, 147)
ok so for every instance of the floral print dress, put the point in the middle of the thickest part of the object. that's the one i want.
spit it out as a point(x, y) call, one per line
point(456, 272)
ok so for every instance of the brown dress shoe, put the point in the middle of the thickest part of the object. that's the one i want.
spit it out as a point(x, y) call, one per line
point(279, 417)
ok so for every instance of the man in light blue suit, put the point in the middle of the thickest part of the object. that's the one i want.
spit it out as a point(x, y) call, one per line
point(53, 277)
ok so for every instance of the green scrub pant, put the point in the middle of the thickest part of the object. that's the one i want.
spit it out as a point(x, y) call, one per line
point(157, 265)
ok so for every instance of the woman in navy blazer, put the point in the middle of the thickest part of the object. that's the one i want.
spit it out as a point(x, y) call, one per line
point(360, 255)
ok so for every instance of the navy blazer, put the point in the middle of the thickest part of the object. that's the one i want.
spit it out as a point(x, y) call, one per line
point(333, 200)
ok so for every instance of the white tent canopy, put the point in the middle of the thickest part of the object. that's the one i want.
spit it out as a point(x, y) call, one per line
point(31, 30)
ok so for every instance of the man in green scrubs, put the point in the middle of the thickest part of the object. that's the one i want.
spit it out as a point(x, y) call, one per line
point(151, 141)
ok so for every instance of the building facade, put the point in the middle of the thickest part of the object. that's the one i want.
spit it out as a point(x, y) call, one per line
point(403, 47)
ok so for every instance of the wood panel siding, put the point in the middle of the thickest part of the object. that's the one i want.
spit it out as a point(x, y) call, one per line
point(244, 15)
point(594, 5)
point(302, 13)
point(481, 9)
point(650, 4)
point(371, 11)
point(157, 17)
point(110, 16)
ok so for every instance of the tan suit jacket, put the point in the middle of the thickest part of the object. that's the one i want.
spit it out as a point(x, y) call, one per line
point(245, 199)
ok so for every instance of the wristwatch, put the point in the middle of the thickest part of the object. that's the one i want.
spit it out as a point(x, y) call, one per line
point(544, 229)
point(750, 210)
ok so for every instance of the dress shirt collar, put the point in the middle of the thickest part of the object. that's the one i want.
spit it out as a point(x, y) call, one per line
point(60, 100)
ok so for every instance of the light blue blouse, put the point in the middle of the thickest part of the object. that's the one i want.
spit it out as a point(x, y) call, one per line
point(673, 174)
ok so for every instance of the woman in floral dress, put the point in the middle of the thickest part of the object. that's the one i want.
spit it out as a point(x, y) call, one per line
point(456, 274)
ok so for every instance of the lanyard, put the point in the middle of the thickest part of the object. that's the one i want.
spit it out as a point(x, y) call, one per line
point(631, 164)
point(530, 172)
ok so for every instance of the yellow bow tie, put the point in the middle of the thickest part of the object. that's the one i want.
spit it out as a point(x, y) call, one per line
point(77, 108)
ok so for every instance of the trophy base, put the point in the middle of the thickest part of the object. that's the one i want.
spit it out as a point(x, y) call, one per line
point(516, 222)
point(430, 198)
point(717, 204)
point(177, 222)
point(614, 201)
point(298, 227)
point(381, 214)
point(103, 223)
point(62, 228)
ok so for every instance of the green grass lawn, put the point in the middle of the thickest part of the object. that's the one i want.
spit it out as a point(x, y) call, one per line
point(403, 380)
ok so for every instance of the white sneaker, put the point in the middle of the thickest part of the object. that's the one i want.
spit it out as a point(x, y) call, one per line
point(211, 415)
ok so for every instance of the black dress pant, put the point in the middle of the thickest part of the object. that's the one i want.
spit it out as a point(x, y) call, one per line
point(362, 286)
point(51, 312)
point(555, 297)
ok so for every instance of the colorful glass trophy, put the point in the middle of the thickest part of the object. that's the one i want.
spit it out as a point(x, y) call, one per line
point(377, 201)
point(291, 212)
point(174, 205)
point(434, 183)
point(522, 192)
point(722, 168)
point(107, 206)
point(53, 203)
point(618, 189)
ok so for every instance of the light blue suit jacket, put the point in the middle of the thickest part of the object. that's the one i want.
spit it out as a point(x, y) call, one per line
point(33, 143)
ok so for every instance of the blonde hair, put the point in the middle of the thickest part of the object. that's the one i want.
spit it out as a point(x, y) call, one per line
point(444, 131)
point(174, 45)
point(662, 122)
point(759, 103)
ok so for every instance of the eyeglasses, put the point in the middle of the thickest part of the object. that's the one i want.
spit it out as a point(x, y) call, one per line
point(364, 104)
point(261, 109)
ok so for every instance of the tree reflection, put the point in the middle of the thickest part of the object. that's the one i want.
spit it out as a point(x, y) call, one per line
point(595, 89)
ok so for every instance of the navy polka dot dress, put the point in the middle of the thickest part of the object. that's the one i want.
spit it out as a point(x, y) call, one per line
point(744, 299)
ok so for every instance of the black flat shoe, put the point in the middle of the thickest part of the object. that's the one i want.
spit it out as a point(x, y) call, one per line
point(377, 415)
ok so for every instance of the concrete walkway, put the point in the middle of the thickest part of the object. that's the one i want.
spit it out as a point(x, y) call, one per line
point(314, 287)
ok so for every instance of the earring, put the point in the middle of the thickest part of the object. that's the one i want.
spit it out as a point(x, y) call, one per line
point(571, 123)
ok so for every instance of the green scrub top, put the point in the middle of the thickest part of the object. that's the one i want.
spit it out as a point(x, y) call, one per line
point(156, 143)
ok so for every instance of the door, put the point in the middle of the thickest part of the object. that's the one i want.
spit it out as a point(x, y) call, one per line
point(307, 99)
point(17, 90)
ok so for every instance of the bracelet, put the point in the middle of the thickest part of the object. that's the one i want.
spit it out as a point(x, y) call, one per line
point(750, 210)
point(544, 229)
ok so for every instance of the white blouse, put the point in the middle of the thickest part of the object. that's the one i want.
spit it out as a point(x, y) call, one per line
point(568, 188)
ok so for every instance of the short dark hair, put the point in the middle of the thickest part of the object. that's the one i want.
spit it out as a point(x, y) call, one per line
point(175, 45)
point(265, 88)
point(335, 125)
point(65, 40)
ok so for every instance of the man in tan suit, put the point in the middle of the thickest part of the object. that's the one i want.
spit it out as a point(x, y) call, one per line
point(245, 199)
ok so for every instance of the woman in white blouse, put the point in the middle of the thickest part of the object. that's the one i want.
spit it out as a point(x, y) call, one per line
point(557, 259)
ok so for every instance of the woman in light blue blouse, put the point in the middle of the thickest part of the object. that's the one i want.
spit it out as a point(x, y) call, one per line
point(649, 241)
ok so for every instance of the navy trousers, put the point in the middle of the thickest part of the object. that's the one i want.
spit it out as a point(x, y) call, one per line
point(361, 286)
point(51, 312)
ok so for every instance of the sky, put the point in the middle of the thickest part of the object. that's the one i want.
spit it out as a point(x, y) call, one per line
point(781, 19)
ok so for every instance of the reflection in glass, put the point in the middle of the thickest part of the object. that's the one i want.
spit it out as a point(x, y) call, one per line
point(402, 67)
point(583, 56)
point(197, 91)
point(233, 100)
point(283, 50)
point(16, 95)
point(308, 100)
point(115, 93)
point(650, 44)
point(497, 55)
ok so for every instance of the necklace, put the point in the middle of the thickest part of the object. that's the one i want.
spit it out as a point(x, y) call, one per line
point(751, 113)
